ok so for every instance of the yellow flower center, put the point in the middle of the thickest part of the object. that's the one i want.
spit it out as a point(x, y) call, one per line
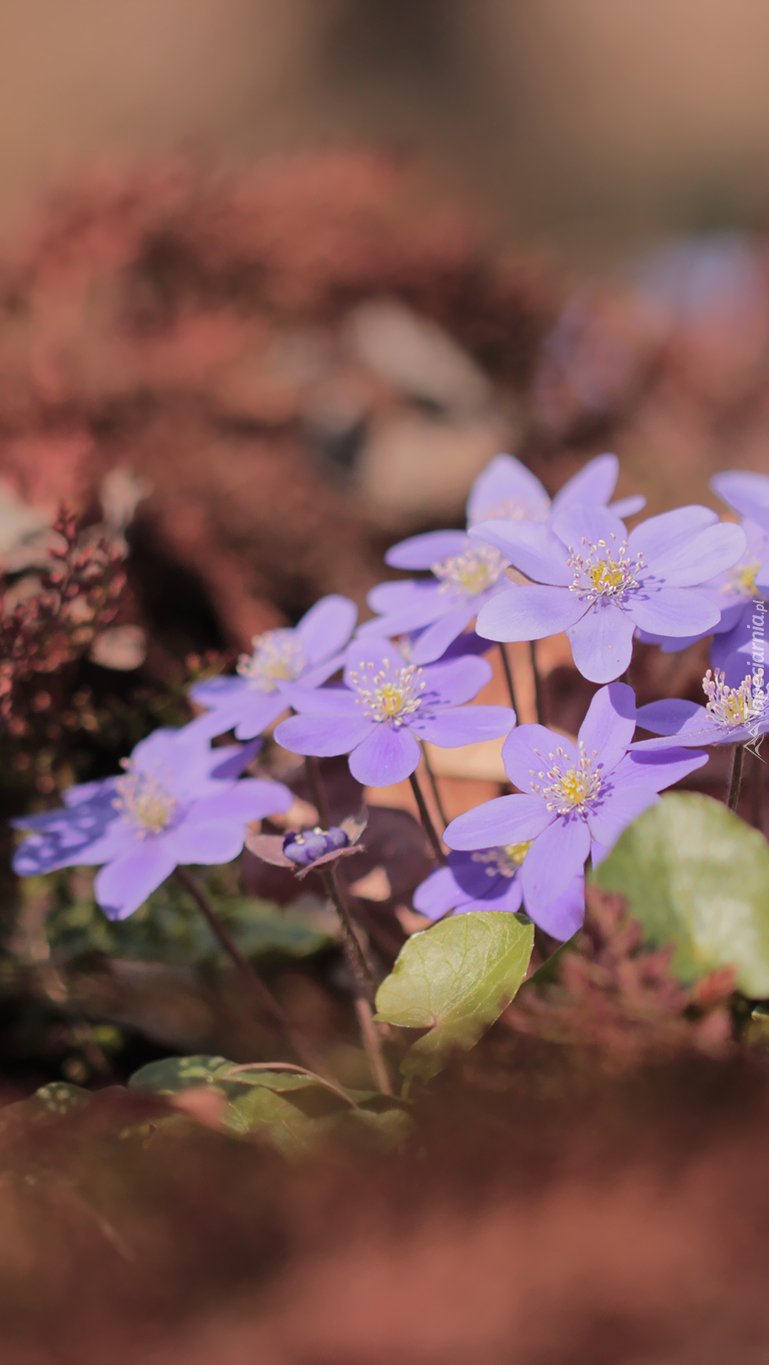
point(276, 654)
point(389, 694)
point(505, 860)
point(145, 800)
point(603, 569)
point(743, 578)
point(567, 786)
point(472, 572)
point(735, 706)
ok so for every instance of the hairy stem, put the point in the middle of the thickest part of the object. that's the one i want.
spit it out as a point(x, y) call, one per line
point(267, 1003)
point(426, 819)
point(539, 696)
point(508, 672)
point(735, 777)
point(312, 768)
point(355, 955)
point(757, 792)
point(433, 783)
point(364, 985)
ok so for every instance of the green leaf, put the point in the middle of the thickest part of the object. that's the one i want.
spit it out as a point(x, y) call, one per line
point(696, 875)
point(177, 1073)
point(454, 979)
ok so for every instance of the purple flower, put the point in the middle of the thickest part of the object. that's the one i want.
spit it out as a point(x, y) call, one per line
point(303, 851)
point(732, 715)
point(746, 492)
point(309, 653)
point(386, 706)
point(599, 583)
point(735, 593)
point(466, 574)
point(490, 879)
point(506, 490)
point(178, 801)
point(574, 799)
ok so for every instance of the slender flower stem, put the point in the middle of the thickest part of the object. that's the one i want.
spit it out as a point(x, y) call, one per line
point(426, 819)
point(539, 696)
point(268, 1005)
point(364, 984)
point(312, 768)
point(735, 777)
point(508, 672)
point(433, 783)
point(757, 792)
point(355, 954)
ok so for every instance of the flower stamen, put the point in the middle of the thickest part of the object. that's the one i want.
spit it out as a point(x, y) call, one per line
point(389, 694)
point(568, 787)
point(276, 654)
point(735, 706)
point(604, 569)
point(145, 800)
point(472, 572)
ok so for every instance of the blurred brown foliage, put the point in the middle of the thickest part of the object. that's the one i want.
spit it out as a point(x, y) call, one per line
point(196, 327)
point(589, 1226)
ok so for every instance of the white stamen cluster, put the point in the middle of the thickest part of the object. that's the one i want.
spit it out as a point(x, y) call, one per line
point(565, 786)
point(276, 654)
point(604, 569)
point(145, 800)
point(390, 693)
point(508, 509)
point(733, 706)
point(505, 860)
point(472, 572)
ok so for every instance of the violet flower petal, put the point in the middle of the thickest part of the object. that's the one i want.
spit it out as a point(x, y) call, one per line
point(325, 629)
point(658, 535)
point(610, 724)
point(503, 820)
point(674, 611)
point(555, 858)
point(504, 486)
point(657, 770)
point(529, 612)
point(527, 751)
point(563, 916)
point(707, 552)
point(457, 681)
point(421, 552)
point(531, 547)
point(746, 492)
point(207, 840)
point(594, 483)
point(627, 507)
point(122, 886)
point(464, 725)
point(602, 642)
point(323, 735)
point(393, 596)
point(670, 716)
point(388, 754)
point(322, 701)
point(607, 820)
point(435, 640)
point(579, 520)
point(252, 798)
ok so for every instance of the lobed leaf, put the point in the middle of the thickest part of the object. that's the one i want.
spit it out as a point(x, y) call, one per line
point(454, 979)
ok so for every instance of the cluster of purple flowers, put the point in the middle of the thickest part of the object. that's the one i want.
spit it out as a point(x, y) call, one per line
point(525, 567)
